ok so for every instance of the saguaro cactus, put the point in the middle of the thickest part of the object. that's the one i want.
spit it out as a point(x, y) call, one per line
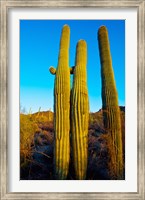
point(62, 107)
point(111, 111)
point(80, 112)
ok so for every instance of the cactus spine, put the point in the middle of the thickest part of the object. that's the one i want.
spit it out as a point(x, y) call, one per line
point(111, 111)
point(62, 107)
point(80, 112)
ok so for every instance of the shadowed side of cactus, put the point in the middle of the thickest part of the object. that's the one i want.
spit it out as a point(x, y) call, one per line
point(80, 112)
point(62, 107)
point(111, 111)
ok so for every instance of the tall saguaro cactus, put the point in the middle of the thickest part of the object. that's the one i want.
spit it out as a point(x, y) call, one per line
point(80, 112)
point(111, 111)
point(62, 107)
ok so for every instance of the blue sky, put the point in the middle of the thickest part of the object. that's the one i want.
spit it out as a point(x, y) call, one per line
point(39, 48)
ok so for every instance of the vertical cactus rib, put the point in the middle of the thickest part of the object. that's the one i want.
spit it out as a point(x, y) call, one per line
point(62, 107)
point(111, 111)
point(80, 112)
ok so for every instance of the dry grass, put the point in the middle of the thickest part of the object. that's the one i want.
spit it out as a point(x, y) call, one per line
point(34, 130)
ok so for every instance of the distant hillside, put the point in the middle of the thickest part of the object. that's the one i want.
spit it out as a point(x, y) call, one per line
point(93, 115)
point(47, 114)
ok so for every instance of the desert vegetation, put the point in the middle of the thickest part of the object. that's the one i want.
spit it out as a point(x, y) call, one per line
point(37, 145)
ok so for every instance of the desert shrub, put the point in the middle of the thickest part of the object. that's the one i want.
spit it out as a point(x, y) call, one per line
point(49, 136)
point(43, 138)
point(98, 158)
point(27, 130)
point(111, 163)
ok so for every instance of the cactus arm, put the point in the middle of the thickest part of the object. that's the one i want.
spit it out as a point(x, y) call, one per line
point(52, 70)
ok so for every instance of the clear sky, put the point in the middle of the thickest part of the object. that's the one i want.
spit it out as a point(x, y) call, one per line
point(39, 48)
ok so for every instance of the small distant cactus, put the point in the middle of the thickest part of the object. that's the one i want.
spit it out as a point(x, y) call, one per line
point(62, 107)
point(111, 111)
point(80, 112)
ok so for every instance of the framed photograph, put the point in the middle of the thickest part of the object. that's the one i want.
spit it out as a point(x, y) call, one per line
point(72, 103)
